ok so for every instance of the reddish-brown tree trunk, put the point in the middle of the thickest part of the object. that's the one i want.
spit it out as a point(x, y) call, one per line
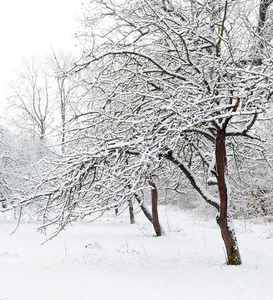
point(224, 218)
point(154, 198)
point(152, 217)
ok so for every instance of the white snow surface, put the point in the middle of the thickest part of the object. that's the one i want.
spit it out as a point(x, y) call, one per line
point(111, 259)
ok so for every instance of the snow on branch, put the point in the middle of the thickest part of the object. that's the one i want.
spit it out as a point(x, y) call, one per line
point(192, 178)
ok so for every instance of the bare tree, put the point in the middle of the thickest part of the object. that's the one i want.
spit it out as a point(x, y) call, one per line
point(66, 88)
point(30, 100)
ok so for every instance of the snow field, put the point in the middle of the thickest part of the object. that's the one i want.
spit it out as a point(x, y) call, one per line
point(111, 259)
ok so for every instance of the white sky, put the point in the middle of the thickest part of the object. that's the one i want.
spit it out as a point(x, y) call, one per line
point(29, 28)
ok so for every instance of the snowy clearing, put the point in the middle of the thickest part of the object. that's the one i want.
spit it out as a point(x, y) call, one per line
point(111, 259)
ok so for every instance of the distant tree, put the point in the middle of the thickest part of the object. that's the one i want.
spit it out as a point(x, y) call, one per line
point(30, 100)
point(15, 167)
point(66, 91)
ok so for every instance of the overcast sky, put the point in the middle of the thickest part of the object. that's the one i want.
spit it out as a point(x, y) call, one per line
point(29, 28)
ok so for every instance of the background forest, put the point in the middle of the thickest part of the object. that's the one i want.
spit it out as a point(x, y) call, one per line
point(170, 103)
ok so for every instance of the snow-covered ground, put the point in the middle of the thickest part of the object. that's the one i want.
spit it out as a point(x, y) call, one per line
point(111, 259)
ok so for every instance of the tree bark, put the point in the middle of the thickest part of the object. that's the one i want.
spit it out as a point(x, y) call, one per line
point(151, 216)
point(131, 212)
point(224, 218)
point(154, 198)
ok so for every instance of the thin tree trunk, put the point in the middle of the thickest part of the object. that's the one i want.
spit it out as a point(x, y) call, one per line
point(131, 212)
point(224, 218)
point(154, 197)
point(116, 210)
point(63, 133)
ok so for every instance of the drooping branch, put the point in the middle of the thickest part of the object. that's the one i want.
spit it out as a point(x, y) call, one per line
point(143, 207)
point(169, 155)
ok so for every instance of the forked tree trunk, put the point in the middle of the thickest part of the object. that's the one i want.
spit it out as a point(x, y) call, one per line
point(224, 218)
point(158, 229)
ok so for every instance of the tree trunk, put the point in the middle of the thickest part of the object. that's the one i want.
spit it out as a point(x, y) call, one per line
point(230, 241)
point(131, 212)
point(158, 229)
point(224, 218)
point(154, 197)
point(63, 133)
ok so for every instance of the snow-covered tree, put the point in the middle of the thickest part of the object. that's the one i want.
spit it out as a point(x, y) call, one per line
point(172, 85)
point(16, 167)
point(186, 78)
